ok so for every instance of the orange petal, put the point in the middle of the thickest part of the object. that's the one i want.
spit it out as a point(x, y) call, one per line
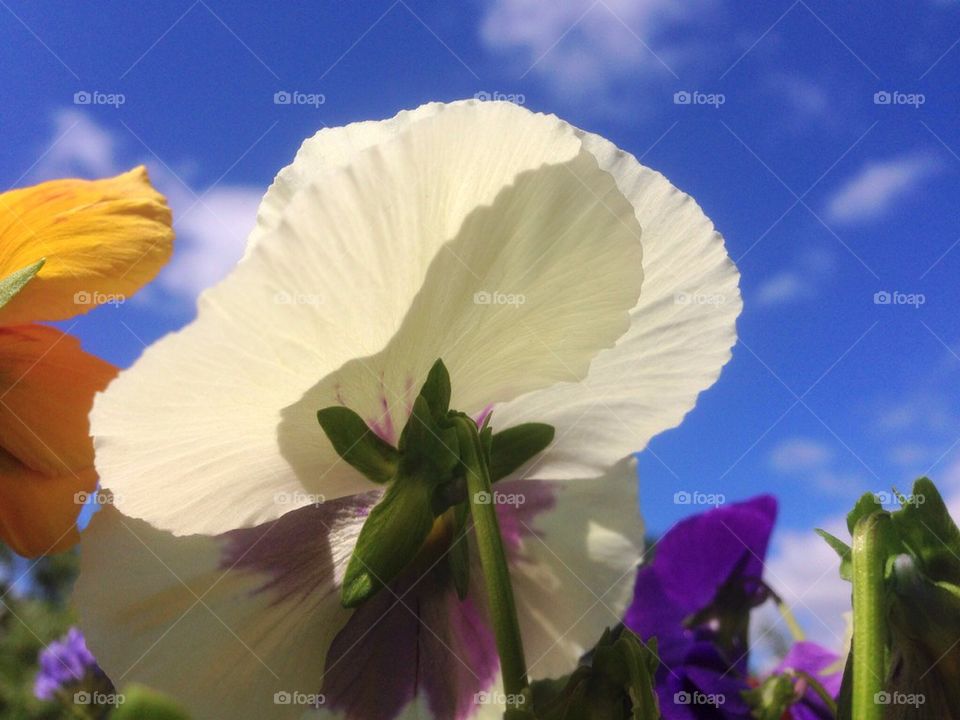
point(102, 240)
point(47, 384)
point(38, 513)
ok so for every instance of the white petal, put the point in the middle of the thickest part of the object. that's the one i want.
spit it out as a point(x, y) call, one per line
point(681, 333)
point(574, 573)
point(366, 278)
point(220, 624)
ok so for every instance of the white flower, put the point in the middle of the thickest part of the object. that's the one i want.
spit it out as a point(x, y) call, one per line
point(542, 264)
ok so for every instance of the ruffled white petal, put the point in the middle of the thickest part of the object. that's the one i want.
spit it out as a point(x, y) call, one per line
point(574, 573)
point(191, 617)
point(365, 275)
point(681, 334)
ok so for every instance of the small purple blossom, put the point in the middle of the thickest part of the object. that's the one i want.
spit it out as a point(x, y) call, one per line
point(64, 663)
point(821, 664)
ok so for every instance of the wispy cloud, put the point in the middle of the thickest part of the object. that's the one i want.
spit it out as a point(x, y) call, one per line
point(801, 281)
point(800, 454)
point(211, 231)
point(582, 47)
point(878, 185)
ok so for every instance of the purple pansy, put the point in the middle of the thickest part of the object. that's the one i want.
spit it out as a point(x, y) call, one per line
point(695, 598)
point(64, 663)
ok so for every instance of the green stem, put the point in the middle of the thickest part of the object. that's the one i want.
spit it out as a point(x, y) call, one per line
point(869, 616)
point(493, 559)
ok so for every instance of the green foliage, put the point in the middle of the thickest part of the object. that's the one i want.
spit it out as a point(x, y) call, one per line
point(27, 625)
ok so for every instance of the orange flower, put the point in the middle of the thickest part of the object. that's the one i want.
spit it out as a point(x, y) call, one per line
point(65, 246)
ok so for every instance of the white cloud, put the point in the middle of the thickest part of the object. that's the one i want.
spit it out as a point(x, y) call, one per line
point(800, 455)
point(878, 185)
point(211, 231)
point(801, 281)
point(582, 46)
point(78, 147)
point(782, 288)
point(805, 96)
point(805, 571)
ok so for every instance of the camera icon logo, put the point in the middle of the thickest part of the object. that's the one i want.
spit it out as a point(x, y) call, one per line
point(682, 698)
point(682, 97)
point(82, 698)
point(282, 97)
point(282, 697)
point(82, 97)
point(882, 97)
point(682, 497)
point(482, 498)
point(881, 298)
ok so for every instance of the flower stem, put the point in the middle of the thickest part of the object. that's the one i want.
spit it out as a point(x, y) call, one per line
point(496, 574)
point(869, 616)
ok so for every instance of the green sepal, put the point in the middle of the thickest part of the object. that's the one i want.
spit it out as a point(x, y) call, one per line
point(511, 448)
point(615, 683)
point(772, 698)
point(428, 447)
point(436, 391)
point(358, 445)
point(143, 703)
point(11, 285)
point(389, 540)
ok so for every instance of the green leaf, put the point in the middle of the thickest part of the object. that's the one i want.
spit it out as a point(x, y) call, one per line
point(358, 445)
point(142, 703)
point(929, 533)
point(390, 539)
point(11, 285)
point(511, 448)
point(841, 548)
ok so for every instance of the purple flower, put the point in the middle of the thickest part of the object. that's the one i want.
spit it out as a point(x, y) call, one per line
point(821, 664)
point(64, 663)
point(695, 597)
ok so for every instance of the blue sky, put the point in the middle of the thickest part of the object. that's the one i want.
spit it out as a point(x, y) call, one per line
point(826, 194)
